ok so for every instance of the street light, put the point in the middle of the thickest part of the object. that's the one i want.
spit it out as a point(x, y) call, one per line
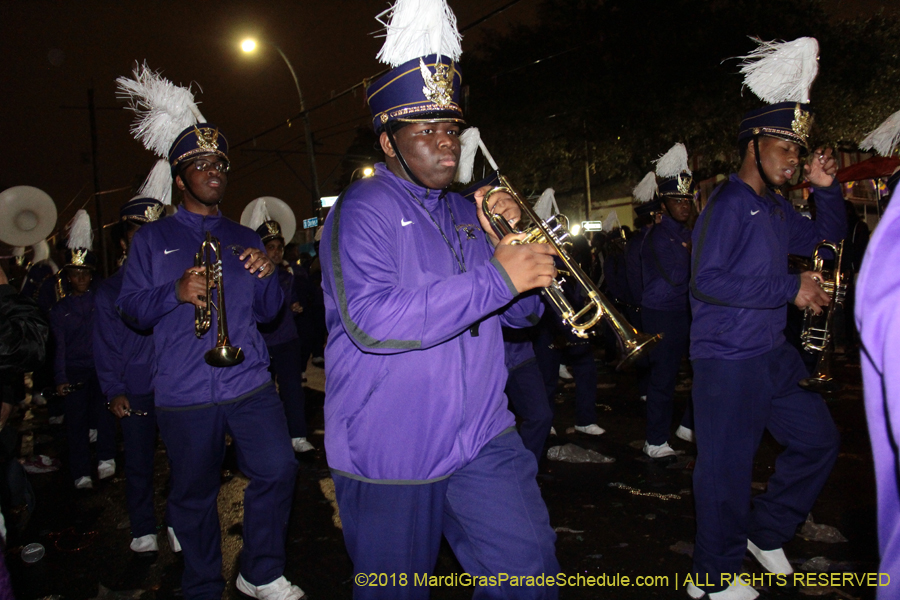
point(249, 45)
point(363, 172)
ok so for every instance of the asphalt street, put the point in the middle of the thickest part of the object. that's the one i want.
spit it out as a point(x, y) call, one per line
point(632, 518)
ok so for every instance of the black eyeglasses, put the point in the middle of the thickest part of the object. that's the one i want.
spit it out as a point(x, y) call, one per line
point(205, 165)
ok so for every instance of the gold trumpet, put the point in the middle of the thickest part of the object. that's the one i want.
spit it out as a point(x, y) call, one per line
point(817, 334)
point(554, 231)
point(224, 354)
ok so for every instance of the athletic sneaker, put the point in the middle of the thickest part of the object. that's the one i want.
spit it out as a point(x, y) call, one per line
point(662, 451)
point(106, 468)
point(145, 543)
point(732, 592)
point(280, 589)
point(301, 445)
point(592, 429)
point(685, 434)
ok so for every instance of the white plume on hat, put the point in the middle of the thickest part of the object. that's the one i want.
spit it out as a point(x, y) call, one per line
point(546, 205)
point(42, 252)
point(611, 221)
point(162, 111)
point(468, 141)
point(646, 190)
point(884, 138)
point(80, 233)
point(158, 184)
point(259, 215)
point(673, 163)
point(782, 71)
point(416, 28)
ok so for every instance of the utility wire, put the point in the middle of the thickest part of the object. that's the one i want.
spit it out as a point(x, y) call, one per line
point(365, 81)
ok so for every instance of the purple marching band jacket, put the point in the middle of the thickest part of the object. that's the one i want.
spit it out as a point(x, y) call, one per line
point(393, 287)
point(666, 266)
point(161, 251)
point(879, 329)
point(72, 321)
point(282, 329)
point(741, 313)
point(124, 356)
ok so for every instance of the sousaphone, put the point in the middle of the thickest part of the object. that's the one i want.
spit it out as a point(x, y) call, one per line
point(278, 211)
point(27, 216)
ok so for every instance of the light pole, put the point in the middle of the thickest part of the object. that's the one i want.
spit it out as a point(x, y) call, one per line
point(249, 45)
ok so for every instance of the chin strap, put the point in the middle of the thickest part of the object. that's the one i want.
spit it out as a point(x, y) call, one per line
point(389, 129)
point(187, 186)
point(759, 168)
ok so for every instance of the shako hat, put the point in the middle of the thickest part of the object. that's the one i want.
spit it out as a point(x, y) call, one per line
point(422, 45)
point(79, 245)
point(677, 181)
point(781, 74)
point(141, 209)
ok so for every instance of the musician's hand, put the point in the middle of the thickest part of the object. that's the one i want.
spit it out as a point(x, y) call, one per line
point(257, 262)
point(120, 406)
point(811, 295)
point(191, 287)
point(821, 167)
point(529, 266)
point(62, 389)
point(501, 204)
point(295, 307)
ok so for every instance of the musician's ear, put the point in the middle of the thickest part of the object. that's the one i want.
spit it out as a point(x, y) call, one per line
point(179, 183)
point(386, 145)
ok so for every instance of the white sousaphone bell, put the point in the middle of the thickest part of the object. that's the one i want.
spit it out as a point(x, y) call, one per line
point(278, 211)
point(27, 216)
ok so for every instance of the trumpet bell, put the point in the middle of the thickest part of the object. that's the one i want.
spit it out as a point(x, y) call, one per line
point(224, 356)
point(822, 384)
point(635, 346)
point(27, 215)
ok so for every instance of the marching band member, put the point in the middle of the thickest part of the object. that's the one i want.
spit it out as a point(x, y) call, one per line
point(197, 404)
point(72, 324)
point(879, 327)
point(418, 437)
point(665, 274)
point(280, 334)
point(125, 368)
point(745, 373)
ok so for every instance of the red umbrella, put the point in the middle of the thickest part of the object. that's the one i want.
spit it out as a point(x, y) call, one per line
point(871, 168)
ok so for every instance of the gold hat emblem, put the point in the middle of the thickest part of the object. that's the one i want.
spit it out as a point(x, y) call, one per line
point(802, 123)
point(684, 184)
point(273, 227)
point(78, 256)
point(439, 86)
point(154, 212)
point(207, 139)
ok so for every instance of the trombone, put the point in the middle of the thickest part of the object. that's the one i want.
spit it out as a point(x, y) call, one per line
point(554, 231)
point(223, 354)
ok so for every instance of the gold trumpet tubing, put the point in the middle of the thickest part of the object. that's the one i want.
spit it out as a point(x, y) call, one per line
point(60, 290)
point(632, 342)
point(201, 315)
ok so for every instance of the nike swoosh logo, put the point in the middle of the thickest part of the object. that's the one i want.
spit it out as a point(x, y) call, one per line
point(404, 222)
point(171, 251)
point(753, 212)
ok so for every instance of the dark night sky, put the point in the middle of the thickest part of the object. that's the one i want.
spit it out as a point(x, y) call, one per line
point(54, 51)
